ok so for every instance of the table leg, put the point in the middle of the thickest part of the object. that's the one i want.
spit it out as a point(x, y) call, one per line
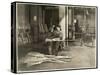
point(50, 48)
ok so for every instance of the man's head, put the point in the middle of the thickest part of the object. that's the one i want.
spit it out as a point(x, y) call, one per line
point(58, 28)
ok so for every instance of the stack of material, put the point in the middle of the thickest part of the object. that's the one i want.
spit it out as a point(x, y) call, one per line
point(33, 58)
point(46, 28)
point(43, 28)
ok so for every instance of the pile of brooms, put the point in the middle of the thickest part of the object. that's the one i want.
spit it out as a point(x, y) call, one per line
point(34, 58)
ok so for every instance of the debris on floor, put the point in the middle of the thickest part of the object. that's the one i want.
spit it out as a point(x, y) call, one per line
point(34, 58)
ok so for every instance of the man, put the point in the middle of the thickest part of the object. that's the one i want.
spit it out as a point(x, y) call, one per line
point(54, 43)
point(57, 44)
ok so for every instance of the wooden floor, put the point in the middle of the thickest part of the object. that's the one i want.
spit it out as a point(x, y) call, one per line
point(82, 57)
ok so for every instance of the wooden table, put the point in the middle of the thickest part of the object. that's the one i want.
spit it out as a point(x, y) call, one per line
point(50, 41)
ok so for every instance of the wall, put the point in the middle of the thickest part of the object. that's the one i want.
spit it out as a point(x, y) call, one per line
point(23, 25)
point(31, 29)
